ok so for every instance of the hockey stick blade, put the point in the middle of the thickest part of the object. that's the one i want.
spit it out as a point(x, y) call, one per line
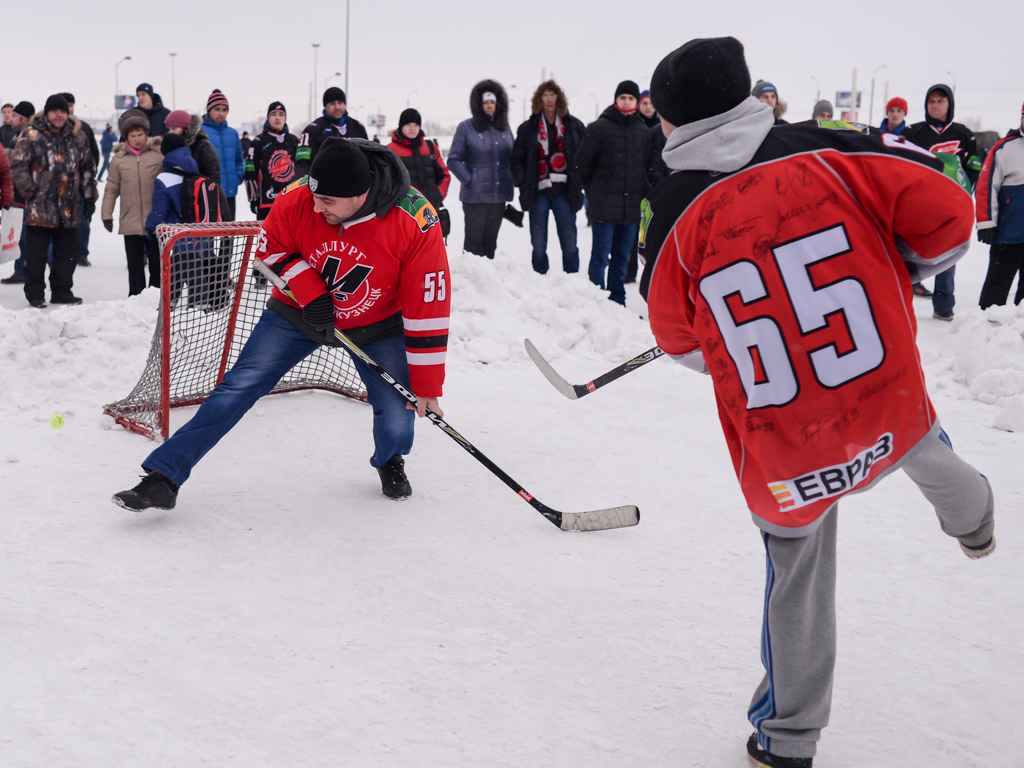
point(601, 519)
point(596, 520)
point(576, 391)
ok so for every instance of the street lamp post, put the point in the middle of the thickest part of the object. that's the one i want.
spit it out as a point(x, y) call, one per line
point(117, 85)
point(954, 81)
point(315, 81)
point(818, 97)
point(331, 77)
point(174, 98)
point(871, 107)
point(409, 97)
point(347, 3)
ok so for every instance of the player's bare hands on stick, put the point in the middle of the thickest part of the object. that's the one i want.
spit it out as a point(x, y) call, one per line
point(423, 403)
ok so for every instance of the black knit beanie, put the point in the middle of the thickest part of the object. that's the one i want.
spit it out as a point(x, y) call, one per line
point(57, 101)
point(703, 78)
point(409, 116)
point(25, 109)
point(171, 142)
point(629, 88)
point(339, 170)
point(334, 93)
point(276, 106)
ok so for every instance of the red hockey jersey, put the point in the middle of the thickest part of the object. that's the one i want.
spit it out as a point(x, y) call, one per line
point(791, 279)
point(373, 268)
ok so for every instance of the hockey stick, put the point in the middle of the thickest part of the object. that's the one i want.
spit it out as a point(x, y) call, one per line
point(576, 391)
point(595, 520)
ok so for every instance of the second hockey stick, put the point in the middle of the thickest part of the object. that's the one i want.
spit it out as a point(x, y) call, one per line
point(594, 520)
point(576, 391)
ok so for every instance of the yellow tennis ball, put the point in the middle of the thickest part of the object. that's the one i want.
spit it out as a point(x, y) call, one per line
point(56, 421)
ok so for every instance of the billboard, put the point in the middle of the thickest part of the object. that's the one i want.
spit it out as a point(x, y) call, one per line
point(843, 99)
point(376, 121)
point(125, 101)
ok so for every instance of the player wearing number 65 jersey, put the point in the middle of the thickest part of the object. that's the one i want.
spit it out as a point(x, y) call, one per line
point(360, 251)
point(780, 261)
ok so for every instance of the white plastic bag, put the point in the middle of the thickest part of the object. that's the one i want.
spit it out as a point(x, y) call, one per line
point(11, 224)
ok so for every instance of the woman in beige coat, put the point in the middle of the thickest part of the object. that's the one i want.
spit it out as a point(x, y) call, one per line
point(133, 171)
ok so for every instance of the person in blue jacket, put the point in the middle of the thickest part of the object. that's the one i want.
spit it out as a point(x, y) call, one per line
point(480, 159)
point(188, 255)
point(107, 142)
point(228, 145)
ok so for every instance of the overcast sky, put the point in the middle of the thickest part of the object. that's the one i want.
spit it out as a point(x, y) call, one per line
point(431, 53)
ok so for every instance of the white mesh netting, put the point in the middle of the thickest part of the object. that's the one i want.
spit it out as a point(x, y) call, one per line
point(209, 305)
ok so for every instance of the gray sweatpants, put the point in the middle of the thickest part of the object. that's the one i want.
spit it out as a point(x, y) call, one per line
point(798, 636)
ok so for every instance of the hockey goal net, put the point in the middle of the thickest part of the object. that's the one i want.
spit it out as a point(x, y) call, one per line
point(210, 302)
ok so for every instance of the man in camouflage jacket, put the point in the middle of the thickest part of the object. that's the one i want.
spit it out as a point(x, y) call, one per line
point(54, 171)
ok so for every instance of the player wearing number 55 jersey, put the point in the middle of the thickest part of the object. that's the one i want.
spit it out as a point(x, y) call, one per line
point(361, 252)
point(780, 261)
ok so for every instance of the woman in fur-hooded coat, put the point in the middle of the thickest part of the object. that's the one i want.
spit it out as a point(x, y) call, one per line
point(479, 159)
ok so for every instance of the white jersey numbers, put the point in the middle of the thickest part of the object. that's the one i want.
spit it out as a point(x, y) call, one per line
point(758, 347)
point(434, 287)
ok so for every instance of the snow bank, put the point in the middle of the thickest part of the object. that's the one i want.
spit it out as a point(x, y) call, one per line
point(984, 353)
point(496, 304)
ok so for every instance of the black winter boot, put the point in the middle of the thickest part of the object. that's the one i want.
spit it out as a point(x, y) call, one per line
point(155, 490)
point(761, 759)
point(393, 482)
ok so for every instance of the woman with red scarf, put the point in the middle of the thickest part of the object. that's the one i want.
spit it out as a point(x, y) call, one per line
point(543, 166)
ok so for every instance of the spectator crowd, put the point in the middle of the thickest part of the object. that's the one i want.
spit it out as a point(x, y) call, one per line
point(53, 162)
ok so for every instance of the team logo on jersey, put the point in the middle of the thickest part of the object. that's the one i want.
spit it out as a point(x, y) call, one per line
point(645, 219)
point(842, 125)
point(832, 481)
point(281, 166)
point(422, 212)
point(949, 147)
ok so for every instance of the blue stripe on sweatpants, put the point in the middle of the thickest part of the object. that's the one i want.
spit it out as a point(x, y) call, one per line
point(765, 707)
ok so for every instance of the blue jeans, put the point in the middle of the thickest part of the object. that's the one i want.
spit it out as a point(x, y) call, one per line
point(942, 298)
point(615, 240)
point(106, 164)
point(271, 351)
point(565, 225)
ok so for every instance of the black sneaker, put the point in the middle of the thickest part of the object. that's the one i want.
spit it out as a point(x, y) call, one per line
point(37, 303)
point(393, 482)
point(920, 290)
point(155, 490)
point(69, 299)
point(761, 759)
point(946, 316)
point(13, 280)
point(84, 263)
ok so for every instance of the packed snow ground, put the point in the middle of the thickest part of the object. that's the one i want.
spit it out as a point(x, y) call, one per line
point(286, 614)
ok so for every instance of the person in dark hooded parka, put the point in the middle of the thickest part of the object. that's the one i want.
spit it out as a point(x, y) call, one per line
point(479, 159)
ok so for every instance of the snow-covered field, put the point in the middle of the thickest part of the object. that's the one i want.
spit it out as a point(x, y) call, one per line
point(287, 614)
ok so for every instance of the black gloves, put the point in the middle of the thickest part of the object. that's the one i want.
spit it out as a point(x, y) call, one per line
point(108, 224)
point(513, 215)
point(254, 206)
point(987, 236)
point(89, 209)
point(320, 313)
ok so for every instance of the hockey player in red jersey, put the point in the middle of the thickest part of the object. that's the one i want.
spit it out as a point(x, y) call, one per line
point(780, 261)
point(361, 252)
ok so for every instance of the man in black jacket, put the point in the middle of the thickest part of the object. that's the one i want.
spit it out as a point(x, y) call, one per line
point(335, 121)
point(938, 133)
point(543, 167)
point(612, 165)
point(153, 106)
